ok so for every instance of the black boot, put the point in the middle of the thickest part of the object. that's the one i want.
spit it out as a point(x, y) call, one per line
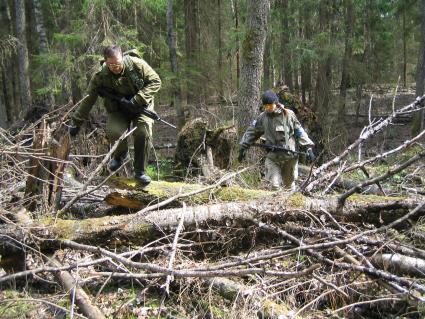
point(115, 163)
point(142, 178)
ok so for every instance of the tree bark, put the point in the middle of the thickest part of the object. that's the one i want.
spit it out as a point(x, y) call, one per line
point(192, 32)
point(7, 76)
point(286, 54)
point(42, 46)
point(23, 62)
point(82, 300)
point(252, 60)
point(306, 60)
point(418, 118)
point(138, 228)
point(400, 264)
point(348, 51)
point(3, 113)
point(159, 191)
point(267, 81)
point(323, 82)
point(172, 45)
point(235, 8)
point(220, 49)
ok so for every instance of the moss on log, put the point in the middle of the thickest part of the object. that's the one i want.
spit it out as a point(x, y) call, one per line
point(131, 194)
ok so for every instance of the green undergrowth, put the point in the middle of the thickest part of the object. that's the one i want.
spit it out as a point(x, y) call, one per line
point(163, 170)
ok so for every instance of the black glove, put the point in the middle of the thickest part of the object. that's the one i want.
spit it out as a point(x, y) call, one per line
point(73, 130)
point(129, 106)
point(310, 155)
point(242, 154)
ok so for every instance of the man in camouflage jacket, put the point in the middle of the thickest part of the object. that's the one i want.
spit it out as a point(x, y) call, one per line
point(280, 127)
point(133, 79)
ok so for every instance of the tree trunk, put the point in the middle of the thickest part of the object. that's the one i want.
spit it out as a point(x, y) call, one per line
point(237, 56)
point(23, 62)
point(252, 60)
point(172, 45)
point(42, 46)
point(3, 113)
point(346, 62)
point(418, 118)
point(404, 48)
point(6, 68)
point(220, 51)
point(305, 60)
point(192, 33)
point(286, 55)
point(267, 82)
point(139, 228)
point(323, 82)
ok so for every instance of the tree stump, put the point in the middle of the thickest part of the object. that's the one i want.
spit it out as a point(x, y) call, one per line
point(203, 150)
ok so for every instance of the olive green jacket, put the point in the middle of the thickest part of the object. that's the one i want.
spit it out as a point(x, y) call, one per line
point(278, 128)
point(148, 83)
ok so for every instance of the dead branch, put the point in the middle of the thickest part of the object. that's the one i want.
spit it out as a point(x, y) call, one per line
point(81, 298)
point(370, 131)
point(391, 172)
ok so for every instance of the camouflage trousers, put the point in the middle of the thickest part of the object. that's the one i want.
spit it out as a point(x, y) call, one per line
point(117, 124)
point(285, 172)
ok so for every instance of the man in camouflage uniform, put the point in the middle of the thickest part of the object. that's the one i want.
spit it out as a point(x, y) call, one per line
point(280, 127)
point(136, 82)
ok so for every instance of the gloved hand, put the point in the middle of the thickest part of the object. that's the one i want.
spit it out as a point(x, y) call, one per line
point(310, 155)
point(242, 154)
point(129, 105)
point(73, 130)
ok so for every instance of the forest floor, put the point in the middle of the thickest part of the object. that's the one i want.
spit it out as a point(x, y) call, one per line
point(333, 279)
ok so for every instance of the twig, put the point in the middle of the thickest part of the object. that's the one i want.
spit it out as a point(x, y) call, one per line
point(174, 248)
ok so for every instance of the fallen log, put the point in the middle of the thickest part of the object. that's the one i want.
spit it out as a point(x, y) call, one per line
point(400, 264)
point(112, 230)
point(129, 193)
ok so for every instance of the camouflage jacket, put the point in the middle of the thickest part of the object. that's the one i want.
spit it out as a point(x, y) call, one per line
point(278, 128)
point(142, 87)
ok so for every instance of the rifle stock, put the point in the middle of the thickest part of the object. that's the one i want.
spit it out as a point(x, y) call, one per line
point(110, 95)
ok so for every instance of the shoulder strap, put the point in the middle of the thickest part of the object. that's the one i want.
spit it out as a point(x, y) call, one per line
point(133, 73)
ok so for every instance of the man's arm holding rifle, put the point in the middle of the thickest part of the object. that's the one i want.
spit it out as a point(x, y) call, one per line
point(130, 107)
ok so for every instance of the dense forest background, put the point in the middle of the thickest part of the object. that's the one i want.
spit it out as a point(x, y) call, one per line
point(328, 52)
